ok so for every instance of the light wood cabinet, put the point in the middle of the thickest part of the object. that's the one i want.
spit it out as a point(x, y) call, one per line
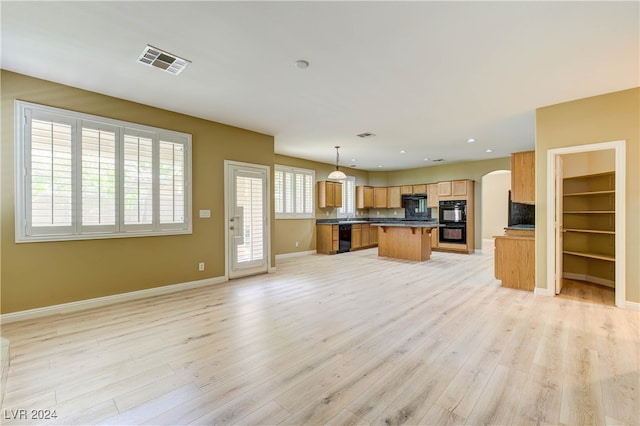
point(380, 197)
point(523, 185)
point(366, 235)
point(394, 198)
point(445, 189)
point(435, 237)
point(327, 241)
point(453, 189)
point(468, 186)
point(433, 199)
point(589, 228)
point(329, 194)
point(514, 259)
point(406, 189)
point(459, 188)
point(356, 236)
point(420, 188)
point(373, 236)
point(364, 197)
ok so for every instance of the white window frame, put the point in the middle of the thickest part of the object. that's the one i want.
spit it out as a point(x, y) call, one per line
point(348, 208)
point(24, 232)
point(310, 214)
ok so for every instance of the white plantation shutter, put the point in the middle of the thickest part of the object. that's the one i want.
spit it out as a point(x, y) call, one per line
point(348, 197)
point(51, 195)
point(80, 176)
point(138, 180)
point(99, 185)
point(308, 194)
point(289, 192)
point(249, 197)
point(293, 192)
point(278, 188)
point(172, 182)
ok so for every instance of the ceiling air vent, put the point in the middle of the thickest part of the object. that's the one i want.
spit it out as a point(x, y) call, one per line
point(365, 135)
point(438, 160)
point(158, 58)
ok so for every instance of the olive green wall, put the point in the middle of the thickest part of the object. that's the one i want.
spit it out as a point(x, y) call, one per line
point(473, 170)
point(43, 274)
point(604, 118)
point(289, 231)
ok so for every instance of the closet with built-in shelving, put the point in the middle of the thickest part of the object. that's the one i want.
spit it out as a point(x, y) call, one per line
point(589, 228)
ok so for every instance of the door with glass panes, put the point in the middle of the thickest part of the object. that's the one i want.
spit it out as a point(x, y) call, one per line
point(247, 218)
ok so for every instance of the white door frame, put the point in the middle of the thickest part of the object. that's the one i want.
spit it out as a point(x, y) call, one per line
point(620, 216)
point(227, 200)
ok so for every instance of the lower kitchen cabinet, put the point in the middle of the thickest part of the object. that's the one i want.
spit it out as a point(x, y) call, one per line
point(327, 239)
point(515, 259)
point(356, 236)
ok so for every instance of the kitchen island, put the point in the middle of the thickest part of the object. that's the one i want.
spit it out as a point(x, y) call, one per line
point(405, 240)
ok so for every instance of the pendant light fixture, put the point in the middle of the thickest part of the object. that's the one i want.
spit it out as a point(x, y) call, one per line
point(337, 174)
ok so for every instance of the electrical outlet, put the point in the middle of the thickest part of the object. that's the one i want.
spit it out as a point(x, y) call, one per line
point(297, 244)
point(201, 266)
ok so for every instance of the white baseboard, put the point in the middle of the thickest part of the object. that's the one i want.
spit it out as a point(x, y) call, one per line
point(631, 306)
point(106, 300)
point(294, 254)
point(589, 278)
point(544, 291)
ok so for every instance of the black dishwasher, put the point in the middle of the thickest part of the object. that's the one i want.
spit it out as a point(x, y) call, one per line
point(344, 237)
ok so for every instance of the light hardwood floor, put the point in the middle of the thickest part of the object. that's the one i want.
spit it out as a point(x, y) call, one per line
point(345, 339)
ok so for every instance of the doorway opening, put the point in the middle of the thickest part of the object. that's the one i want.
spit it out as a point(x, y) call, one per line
point(495, 205)
point(585, 218)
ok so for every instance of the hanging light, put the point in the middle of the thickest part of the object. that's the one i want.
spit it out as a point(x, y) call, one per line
point(337, 174)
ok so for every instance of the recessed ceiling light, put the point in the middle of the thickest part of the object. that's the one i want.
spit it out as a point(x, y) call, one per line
point(302, 64)
point(158, 58)
point(471, 140)
point(426, 159)
point(403, 152)
point(353, 160)
point(488, 150)
point(379, 165)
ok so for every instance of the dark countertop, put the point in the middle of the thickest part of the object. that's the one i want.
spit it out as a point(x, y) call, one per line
point(522, 227)
point(372, 221)
point(408, 224)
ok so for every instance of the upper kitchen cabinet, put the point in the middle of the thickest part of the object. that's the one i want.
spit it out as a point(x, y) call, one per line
point(394, 199)
point(523, 187)
point(433, 199)
point(420, 189)
point(454, 190)
point(380, 197)
point(406, 189)
point(364, 197)
point(329, 194)
point(444, 189)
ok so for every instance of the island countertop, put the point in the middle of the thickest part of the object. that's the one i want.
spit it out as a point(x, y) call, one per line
point(408, 224)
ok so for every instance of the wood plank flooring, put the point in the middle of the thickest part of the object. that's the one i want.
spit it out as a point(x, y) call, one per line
point(351, 339)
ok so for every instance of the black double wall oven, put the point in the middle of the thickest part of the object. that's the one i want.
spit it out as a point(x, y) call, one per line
point(453, 222)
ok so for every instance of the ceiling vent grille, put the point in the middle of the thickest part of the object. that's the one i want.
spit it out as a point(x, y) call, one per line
point(365, 135)
point(166, 61)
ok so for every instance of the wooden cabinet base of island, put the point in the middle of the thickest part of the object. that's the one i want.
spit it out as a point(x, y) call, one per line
point(515, 259)
point(404, 242)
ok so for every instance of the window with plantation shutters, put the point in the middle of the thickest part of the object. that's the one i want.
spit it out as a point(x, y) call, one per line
point(80, 176)
point(294, 193)
point(348, 208)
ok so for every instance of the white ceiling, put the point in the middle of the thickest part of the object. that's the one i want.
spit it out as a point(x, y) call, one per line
point(423, 76)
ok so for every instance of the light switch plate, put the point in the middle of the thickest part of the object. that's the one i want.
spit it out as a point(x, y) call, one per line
point(205, 214)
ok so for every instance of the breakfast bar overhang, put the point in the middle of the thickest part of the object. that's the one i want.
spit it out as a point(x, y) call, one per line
point(408, 241)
